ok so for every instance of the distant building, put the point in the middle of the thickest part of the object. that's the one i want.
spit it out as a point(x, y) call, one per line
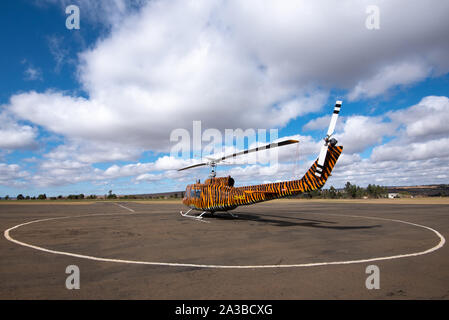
point(393, 195)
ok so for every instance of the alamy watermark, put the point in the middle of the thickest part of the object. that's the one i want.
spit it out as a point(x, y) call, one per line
point(73, 280)
point(73, 20)
point(373, 280)
point(211, 144)
point(372, 21)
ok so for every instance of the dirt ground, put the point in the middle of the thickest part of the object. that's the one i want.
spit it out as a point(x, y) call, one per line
point(248, 257)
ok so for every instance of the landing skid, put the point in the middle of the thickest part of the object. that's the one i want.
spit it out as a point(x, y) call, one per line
point(232, 215)
point(198, 218)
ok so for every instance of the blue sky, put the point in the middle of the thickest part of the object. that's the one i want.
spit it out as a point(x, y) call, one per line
point(90, 110)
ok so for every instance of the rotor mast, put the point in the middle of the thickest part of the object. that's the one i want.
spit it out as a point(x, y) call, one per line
point(213, 171)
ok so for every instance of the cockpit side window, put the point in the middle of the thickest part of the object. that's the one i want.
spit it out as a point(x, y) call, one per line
point(195, 193)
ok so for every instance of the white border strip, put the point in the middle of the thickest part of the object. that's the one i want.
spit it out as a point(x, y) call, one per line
point(171, 264)
point(129, 209)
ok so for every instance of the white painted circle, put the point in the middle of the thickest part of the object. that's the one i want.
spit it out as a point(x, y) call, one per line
point(173, 264)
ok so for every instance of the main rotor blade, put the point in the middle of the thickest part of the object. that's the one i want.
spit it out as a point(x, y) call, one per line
point(266, 147)
point(193, 166)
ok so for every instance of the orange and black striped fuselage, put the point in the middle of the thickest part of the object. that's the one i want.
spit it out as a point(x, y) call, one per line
point(219, 194)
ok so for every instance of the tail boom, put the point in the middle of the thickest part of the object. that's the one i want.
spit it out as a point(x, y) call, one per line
point(307, 183)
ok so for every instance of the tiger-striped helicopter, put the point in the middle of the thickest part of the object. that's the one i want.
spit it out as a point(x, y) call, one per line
point(219, 193)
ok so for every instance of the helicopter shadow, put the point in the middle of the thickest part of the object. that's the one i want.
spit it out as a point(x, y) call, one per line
point(282, 221)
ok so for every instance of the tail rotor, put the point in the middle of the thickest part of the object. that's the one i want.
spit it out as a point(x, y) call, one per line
point(328, 140)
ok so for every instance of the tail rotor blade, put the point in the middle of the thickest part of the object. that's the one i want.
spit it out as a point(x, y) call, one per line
point(334, 118)
point(330, 132)
point(321, 158)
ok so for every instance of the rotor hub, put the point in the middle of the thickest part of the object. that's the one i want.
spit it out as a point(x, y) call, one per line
point(330, 141)
point(213, 172)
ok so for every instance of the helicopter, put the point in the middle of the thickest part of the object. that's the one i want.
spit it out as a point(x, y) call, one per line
point(219, 194)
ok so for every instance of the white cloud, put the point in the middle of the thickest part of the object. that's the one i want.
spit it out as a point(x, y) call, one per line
point(318, 123)
point(429, 118)
point(90, 152)
point(423, 132)
point(32, 74)
point(12, 175)
point(392, 163)
point(391, 173)
point(222, 59)
point(62, 165)
point(237, 64)
point(403, 73)
point(322, 123)
point(104, 12)
point(400, 161)
point(59, 169)
point(432, 149)
point(170, 163)
point(58, 51)
point(148, 177)
point(361, 132)
point(14, 135)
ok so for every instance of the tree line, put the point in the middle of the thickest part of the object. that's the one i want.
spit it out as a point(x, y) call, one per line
point(44, 197)
point(60, 197)
point(350, 191)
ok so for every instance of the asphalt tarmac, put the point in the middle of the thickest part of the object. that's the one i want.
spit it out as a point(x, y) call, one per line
point(284, 249)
